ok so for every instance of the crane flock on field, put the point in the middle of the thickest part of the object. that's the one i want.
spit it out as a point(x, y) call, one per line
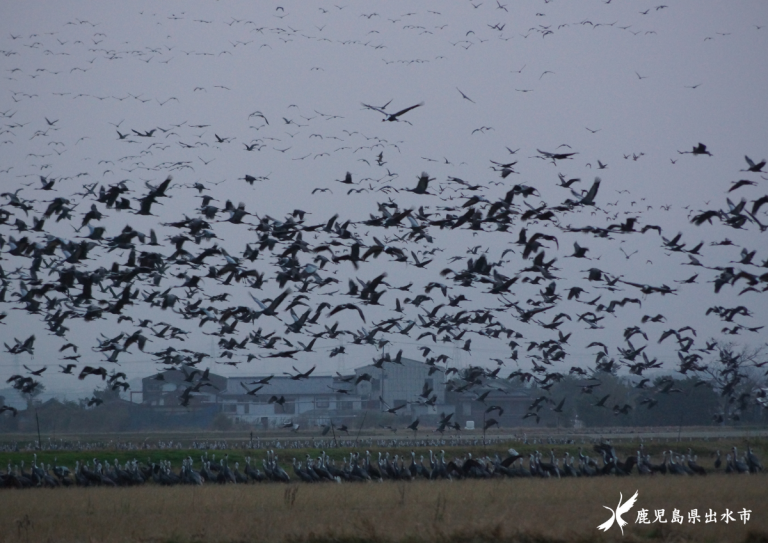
point(139, 241)
point(359, 467)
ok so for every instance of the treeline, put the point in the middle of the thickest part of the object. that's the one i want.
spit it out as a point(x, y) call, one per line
point(112, 415)
point(662, 401)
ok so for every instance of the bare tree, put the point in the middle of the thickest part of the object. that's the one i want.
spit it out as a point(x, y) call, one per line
point(736, 376)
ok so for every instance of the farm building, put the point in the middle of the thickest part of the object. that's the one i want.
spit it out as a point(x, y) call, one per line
point(416, 386)
point(513, 400)
point(413, 388)
point(165, 389)
point(316, 399)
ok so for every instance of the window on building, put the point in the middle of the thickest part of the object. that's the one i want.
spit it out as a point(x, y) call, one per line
point(322, 404)
point(229, 408)
point(346, 406)
point(288, 408)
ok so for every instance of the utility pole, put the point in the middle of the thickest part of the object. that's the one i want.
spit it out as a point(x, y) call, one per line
point(457, 355)
point(333, 430)
point(361, 427)
point(39, 439)
point(381, 407)
point(341, 363)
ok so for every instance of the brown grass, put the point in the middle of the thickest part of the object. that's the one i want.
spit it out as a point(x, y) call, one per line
point(498, 510)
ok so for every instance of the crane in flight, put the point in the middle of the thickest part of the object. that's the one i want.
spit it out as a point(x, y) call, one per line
point(393, 116)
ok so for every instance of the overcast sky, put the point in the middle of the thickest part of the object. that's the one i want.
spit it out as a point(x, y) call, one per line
point(629, 84)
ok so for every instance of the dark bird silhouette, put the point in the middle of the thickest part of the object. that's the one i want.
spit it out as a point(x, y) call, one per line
point(393, 116)
point(601, 402)
point(12, 410)
point(388, 409)
point(757, 168)
point(347, 179)
point(88, 370)
point(556, 156)
point(421, 186)
point(299, 375)
point(490, 422)
point(699, 149)
point(464, 95)
point(588, 199)
point(342, 307)
point(251, 392)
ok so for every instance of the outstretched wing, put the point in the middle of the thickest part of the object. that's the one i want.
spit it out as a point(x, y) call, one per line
point(589, 199)
point(380, 110)
point(406, 110)
point(621, 509)
point(607, 524)
point(261, 305)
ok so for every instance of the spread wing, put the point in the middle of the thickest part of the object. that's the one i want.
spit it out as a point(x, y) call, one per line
point(406, 110)
point(380, 110)
point(621, 509)
point(604, 526)
point(589, 199)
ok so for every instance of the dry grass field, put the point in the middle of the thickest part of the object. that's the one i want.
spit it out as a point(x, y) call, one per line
point(538, 510)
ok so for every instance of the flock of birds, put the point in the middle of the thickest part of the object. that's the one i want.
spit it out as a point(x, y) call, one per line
point(362, 468)
point(145, 267)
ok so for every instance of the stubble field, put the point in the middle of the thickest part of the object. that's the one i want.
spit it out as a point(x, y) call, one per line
point(440, 511)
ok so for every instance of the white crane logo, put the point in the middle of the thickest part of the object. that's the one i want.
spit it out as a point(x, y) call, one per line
point(616, 515)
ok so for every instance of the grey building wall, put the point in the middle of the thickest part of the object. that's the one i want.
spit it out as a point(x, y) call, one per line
point(165, 388)
point(400, 384)
point(315, 400)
